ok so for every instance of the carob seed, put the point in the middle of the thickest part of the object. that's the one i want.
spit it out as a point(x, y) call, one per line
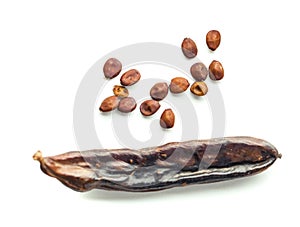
point(120, 91)
point(216, 70)
point(127, 105)
point(199, 88)
point(130, 77)
point(189, 48)
point(112, 68)
point(149, 107)
point(213, 39)
point(159, 91)
point(109, 104)
point(199, 71)
point(179, 84)
point(167, 119)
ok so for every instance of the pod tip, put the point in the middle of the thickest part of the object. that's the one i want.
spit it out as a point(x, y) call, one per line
point(38, 156)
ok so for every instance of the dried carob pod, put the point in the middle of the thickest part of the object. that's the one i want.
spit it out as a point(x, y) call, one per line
point(158, 168)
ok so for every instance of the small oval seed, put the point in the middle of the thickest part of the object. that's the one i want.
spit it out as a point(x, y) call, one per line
point(127, 105)
point(189, 48)
point(130, 77)
point(216, 70)
point(120, 91)
point(112, 68)
point(159, 91)
point(213, 39)
point(199, 71)
point(149, 107)
point(109, 104)
point(167, 119)
point(179, 84)
point(199, 88)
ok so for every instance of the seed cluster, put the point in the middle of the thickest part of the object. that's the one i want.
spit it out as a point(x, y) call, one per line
point(159, 91)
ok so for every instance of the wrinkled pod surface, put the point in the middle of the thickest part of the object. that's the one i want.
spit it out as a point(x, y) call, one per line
point(162, 167)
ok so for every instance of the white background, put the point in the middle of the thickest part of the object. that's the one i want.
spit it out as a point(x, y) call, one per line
point(47, 47)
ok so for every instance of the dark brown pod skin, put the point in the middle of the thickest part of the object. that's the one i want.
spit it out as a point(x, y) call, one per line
point(189, 48)
point(149, 107)
point(112, 68)
point(162, 167)
point(109, 104)
point(213, 39)
point(130, 77)
point(216, 70)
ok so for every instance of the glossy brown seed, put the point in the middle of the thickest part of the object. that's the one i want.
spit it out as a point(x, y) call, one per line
point(130, 77)
point(213, 39)
point(149, 107)
point(167, 119)
point(199, 88)
point(216, 70)
point(112, 68)
point(179, 84)
point(199, 71)
point(159, 91)
point(127, 105)
point(120, 91)
point(189, 48)
point(109, 104)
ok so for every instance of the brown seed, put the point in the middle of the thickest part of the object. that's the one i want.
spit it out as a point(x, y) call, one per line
point(216, 70)
point(109, 104)
point(127, 105)
point(149, 107)
point(112, 68)
point(167, 119)
point(213, 39)
point(179, 84)
point(120, 91)
point(199, 71)
point(189, 48)
point(130, 77)
point(199, 88)
point(159, 91)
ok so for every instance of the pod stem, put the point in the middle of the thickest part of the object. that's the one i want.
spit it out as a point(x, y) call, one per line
point(38, 156)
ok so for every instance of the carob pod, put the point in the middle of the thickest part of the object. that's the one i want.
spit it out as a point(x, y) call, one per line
point(158, 168)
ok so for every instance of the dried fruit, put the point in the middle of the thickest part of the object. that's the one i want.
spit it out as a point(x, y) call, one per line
point(159, 91)
point(189, 48)
point(199, 88)
point(109, 104)
point(216, 70)
point(179, 84)
point(162, 167)
point(149, 107)
point(199, 71)
point(112, 68)
point(130, 77)
point(167, 119)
